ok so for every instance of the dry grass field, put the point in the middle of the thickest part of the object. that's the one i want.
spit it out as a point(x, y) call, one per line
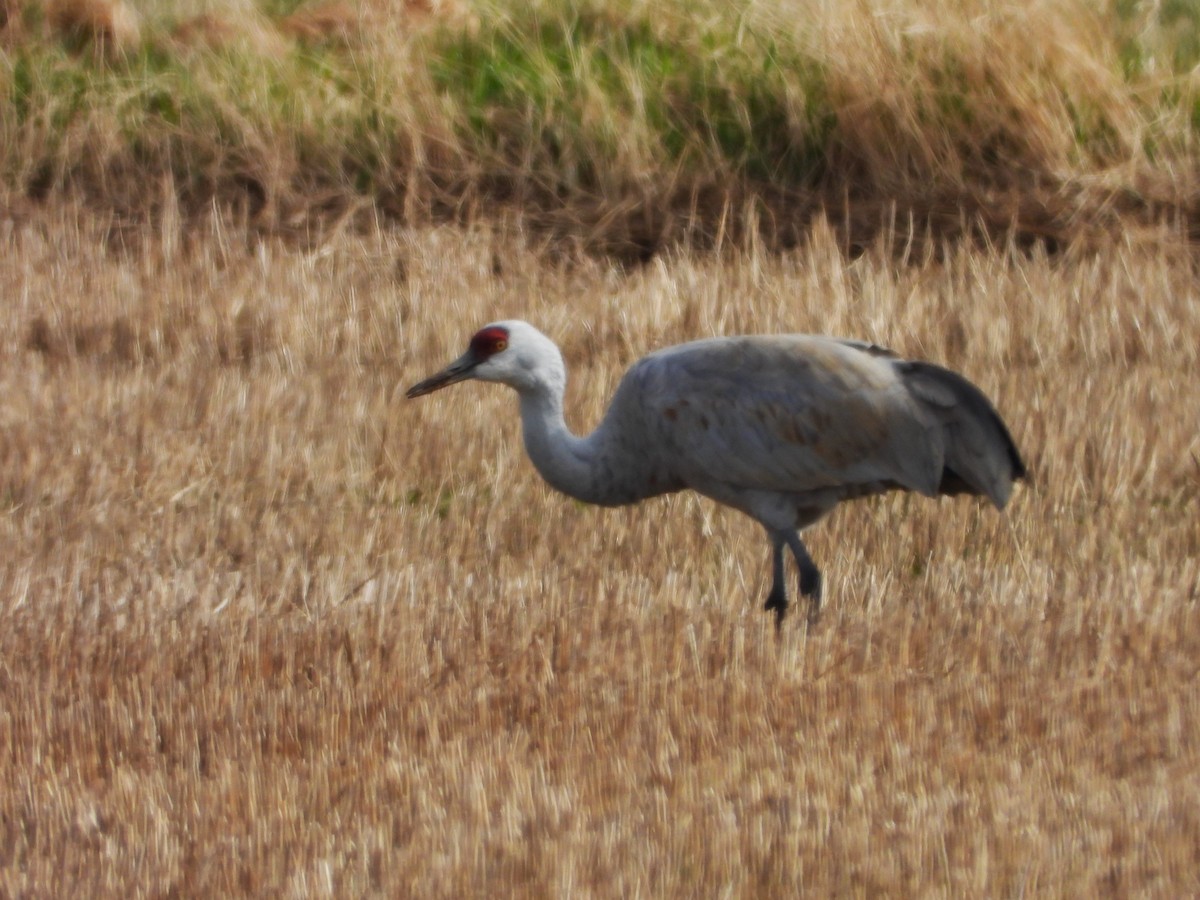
point(267, 628)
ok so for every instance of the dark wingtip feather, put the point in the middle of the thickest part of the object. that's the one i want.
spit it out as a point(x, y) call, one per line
point(971, 400)
point(1014, 455)
point(1019, 470)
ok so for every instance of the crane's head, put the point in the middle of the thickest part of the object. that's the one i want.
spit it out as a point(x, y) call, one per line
point(513, 353)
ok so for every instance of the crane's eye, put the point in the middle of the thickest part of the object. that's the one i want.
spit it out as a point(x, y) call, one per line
point(489, 342)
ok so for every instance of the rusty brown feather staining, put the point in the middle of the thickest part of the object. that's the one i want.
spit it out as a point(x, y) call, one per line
point(792, 430)
point(849, 372)
point(670, 413)
point(844, 453)
point(860, 428)
point(819, 419)
point(872, 349)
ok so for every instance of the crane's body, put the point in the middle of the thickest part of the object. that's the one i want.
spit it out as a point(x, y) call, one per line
point(782, 428)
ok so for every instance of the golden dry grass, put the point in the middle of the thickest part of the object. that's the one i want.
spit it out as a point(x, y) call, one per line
point(268, 628)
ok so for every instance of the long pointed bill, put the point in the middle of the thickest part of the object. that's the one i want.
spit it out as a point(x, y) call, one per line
point(459, 370)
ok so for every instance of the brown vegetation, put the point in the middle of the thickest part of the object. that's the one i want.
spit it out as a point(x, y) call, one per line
point(266, 628)
point(108, 26)
point(625, 128)
point(210, 31)
point(334, 21)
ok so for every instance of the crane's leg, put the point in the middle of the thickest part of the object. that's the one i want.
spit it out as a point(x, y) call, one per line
point(810, 575)
point(777, 599)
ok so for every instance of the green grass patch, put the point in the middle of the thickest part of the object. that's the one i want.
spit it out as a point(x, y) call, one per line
point(313, 116)
point(595, 99)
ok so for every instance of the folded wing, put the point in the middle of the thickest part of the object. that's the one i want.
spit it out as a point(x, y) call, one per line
point(794, 413)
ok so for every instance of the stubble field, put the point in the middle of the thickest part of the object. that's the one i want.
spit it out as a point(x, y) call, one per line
point(268, 628)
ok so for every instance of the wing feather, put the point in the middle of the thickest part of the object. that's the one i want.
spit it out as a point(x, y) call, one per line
point(794, 413)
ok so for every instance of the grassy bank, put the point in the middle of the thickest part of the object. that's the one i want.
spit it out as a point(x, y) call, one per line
point(623, 125)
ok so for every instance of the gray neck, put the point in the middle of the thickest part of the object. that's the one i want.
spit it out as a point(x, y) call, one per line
point(568, 463)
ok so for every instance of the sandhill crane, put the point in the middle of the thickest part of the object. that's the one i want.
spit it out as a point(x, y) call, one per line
point(782, 428)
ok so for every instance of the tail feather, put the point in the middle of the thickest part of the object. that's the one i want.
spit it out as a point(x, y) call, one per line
point(981, 457)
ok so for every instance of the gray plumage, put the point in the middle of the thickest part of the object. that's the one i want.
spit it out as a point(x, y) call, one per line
point(781, 427)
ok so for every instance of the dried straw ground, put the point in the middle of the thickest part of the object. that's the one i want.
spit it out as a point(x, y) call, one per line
point(268, 628)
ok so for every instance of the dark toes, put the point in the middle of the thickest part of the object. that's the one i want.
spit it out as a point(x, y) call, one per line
point(777, 601)
point(810, 582)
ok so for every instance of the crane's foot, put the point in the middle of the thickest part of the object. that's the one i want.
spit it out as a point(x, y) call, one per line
point(777, 601)
point(810, 575)
point(810, 587)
